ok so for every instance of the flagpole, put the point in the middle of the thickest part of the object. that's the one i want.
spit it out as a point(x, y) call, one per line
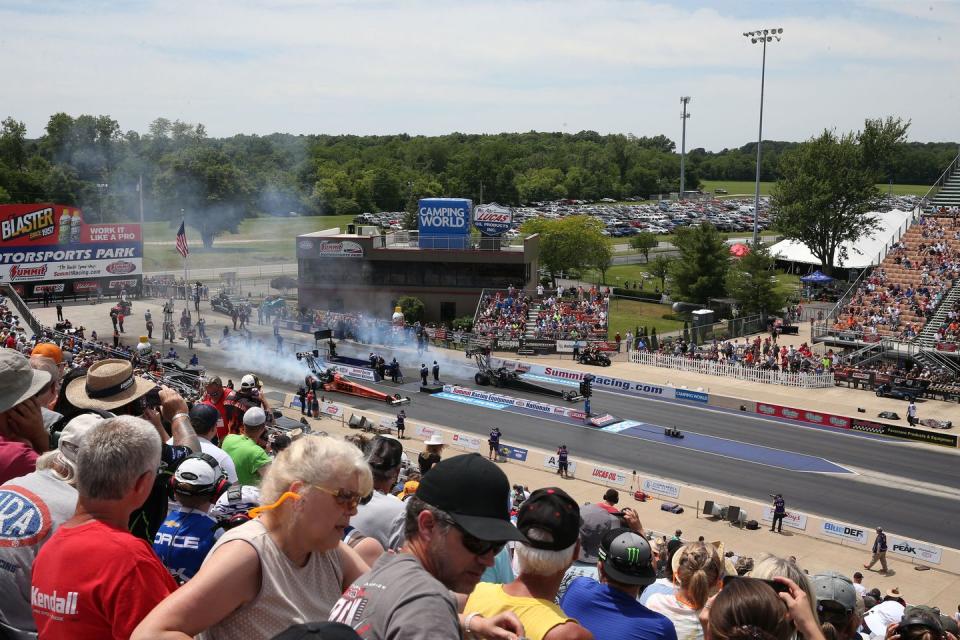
point(140, 192)
point(186, 281)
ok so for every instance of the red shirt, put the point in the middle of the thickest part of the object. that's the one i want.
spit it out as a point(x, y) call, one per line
point(93, 581)
point(222, 430)
point(16, 459)
point(609, 508)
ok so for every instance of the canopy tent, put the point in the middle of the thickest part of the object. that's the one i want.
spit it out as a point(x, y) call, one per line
point(739, 250)
point(860, 254)
point(817, 277)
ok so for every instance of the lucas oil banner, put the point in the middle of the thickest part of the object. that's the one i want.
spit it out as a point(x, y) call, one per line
point(40, 243)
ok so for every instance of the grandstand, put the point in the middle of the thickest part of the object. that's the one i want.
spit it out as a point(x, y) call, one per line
point(513, 314)
point(945, 193)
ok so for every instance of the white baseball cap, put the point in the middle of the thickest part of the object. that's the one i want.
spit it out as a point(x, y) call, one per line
point(73, 436)
point(254, 417)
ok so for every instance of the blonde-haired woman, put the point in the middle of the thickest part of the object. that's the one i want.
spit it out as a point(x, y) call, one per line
point(697, 573)
point(287, 565)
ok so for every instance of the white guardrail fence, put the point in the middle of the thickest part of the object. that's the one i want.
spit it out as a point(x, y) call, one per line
point(735, 371)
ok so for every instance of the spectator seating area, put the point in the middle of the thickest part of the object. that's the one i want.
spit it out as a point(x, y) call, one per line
point(902, 293)
point(759, 353)
point(566, 314)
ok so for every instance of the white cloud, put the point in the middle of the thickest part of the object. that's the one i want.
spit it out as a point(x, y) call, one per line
point(434, 67)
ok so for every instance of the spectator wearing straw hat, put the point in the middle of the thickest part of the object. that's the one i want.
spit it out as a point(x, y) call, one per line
point(22, 436)
point(110, 386)
point(51, 490)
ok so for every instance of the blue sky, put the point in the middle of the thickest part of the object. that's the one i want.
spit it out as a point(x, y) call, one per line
point(432, 67)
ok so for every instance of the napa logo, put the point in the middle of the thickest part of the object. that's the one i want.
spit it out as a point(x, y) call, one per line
point(24, 518)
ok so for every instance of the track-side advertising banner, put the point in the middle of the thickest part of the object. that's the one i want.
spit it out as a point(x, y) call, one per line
point(663, 488)
point(908, 433)
point(466, 441)
point(842, 531)
point(521, 403)
point(351, 372)
point(914, 550)
point(803, 415)
point(605, 383)
point(513, 453)
point(550, 462)
point(609, 475)
point(793, 519)
point(44, 242)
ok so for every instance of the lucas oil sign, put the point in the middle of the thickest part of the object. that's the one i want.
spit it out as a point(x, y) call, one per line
point(492, 219)
point(444, 223)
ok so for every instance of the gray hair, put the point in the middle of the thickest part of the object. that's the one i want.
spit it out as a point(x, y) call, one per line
point(114, 454)
point(543, 562)
point(316, 460)
point(51, 461)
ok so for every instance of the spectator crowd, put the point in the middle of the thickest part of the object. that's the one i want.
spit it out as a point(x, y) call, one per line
point(132, 514)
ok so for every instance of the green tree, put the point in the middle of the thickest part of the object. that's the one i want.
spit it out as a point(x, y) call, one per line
point(600, 257)
point(750, 280)
point(13, 144)
point(827, 193)
point(568, 243)
point(643, 242)
point(704, 257)
point(412, 308)
point(660, 269)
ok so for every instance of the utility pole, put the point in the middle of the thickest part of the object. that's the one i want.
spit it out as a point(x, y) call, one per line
point(684, 100)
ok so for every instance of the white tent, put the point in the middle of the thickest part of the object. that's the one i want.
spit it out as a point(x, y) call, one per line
point(866, 251)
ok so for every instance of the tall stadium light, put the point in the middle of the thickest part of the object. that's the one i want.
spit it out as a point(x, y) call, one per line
point(683, 145)
point(761, 36)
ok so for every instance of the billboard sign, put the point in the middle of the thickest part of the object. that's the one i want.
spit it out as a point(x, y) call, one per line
point(915, 550)
point(51, 242)
point(444, 223)
point(344, 249)
point(843, 531)
point(492, 219)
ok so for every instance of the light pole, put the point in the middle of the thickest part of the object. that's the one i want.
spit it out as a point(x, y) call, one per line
point(683, 145)
point(763, 36)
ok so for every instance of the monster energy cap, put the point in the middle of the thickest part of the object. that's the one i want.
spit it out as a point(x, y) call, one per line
point(627, 557)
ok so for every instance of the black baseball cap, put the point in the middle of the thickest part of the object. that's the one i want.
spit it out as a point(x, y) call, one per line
point(204, 416)
point(385, 453)
point(476, 495)
point(627, 557)
point(552, 511)
point(318, 631)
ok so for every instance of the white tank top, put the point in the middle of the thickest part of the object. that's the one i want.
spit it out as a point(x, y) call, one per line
point(288, 594)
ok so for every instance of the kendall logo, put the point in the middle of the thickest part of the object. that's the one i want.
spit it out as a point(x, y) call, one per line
point(54, 603)
point(790, 413)
point(767, 409)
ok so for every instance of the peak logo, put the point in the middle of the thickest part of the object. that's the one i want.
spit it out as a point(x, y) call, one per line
point(35, 224)
point(27, 273)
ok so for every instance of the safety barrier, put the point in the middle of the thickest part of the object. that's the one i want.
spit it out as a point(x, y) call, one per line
point(737, 372)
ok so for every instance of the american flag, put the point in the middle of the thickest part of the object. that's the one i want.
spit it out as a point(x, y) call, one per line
point(182, 241)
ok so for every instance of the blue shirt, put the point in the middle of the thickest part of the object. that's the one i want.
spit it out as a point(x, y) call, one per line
point(609, 613)
point(183, 541)
point(779, 506)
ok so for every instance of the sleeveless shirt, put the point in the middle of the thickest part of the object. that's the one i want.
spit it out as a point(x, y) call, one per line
point(288, 594)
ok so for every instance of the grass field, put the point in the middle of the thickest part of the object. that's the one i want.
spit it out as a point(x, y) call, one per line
point(741, 188)
point(259, 241)
point(625, 315)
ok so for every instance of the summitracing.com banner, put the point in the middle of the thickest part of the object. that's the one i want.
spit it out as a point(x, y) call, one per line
point(46, 243)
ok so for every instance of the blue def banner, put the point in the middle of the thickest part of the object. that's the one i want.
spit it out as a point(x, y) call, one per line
point(444, 223)
point(514, 453)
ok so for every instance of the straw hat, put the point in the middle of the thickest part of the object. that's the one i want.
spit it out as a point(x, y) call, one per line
point(109, 384)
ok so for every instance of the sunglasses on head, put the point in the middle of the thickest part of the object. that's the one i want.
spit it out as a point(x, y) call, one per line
point(475, 545)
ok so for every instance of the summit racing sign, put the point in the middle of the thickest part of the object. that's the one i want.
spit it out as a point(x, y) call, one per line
point(345, 249)
point(520, 403)
point(617, 385)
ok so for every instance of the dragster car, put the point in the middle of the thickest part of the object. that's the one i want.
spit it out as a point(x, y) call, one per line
point(330, 380)
point(505, 379)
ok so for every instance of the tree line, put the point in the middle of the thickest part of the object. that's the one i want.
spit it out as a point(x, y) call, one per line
point(89, 161)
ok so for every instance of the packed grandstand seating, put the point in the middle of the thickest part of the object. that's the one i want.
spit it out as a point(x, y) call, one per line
point(901, 294)
point(575, 313)
point(760, 353)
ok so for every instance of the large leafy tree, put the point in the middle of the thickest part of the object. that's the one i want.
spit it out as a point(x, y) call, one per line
point(569, 243)
point(643, 242)
point(829, 188)
point(750, 280)
point(700, 271)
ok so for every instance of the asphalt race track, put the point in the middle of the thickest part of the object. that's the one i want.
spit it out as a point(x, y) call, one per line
point(912, 490)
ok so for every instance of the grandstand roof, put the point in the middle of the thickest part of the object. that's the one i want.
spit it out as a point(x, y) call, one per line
point(866, 251)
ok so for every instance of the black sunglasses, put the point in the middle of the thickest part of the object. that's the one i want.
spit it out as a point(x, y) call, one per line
point(475, 545)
